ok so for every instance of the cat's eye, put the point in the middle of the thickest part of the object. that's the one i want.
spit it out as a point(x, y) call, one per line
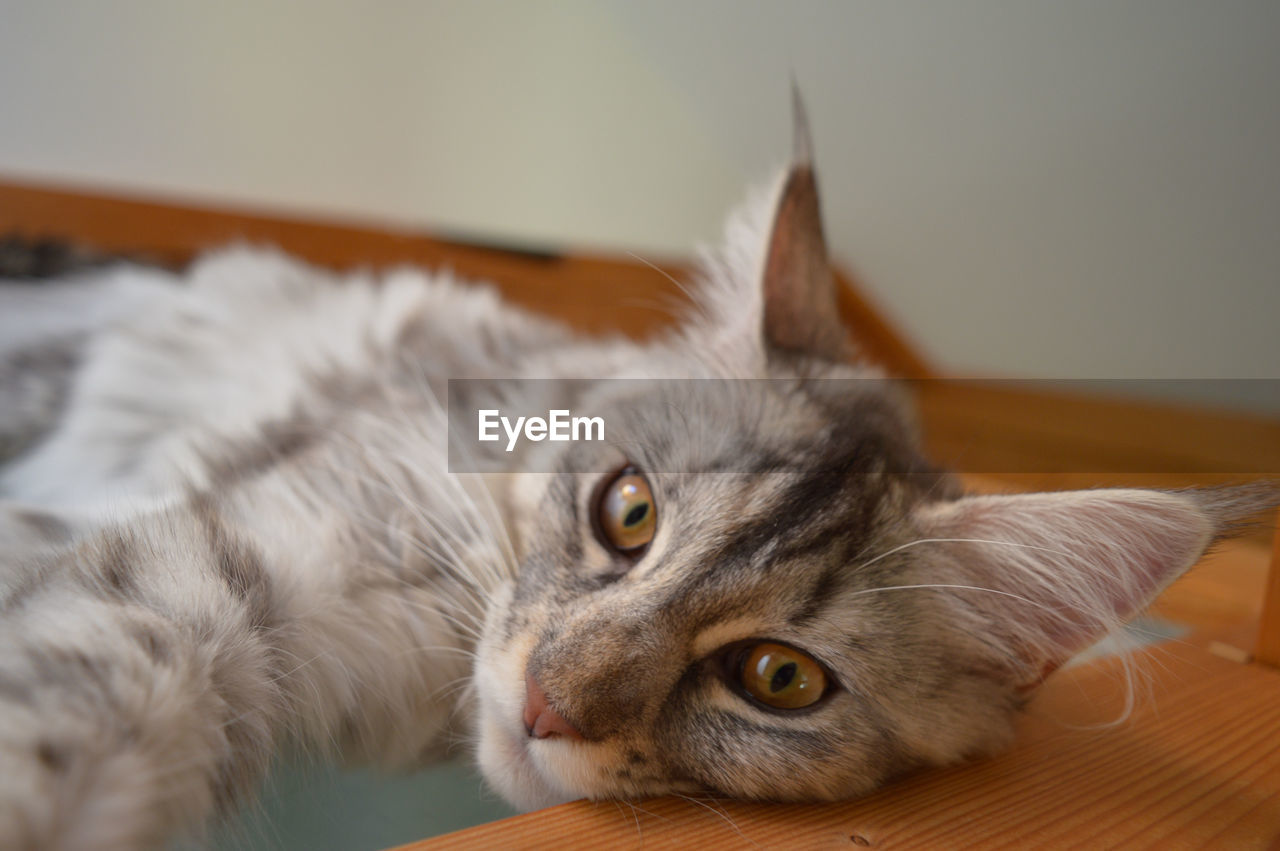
point(626, 516)
point(780, 676)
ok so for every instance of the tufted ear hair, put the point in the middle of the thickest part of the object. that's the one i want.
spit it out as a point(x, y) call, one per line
point(1059, 570)
point(800, 309)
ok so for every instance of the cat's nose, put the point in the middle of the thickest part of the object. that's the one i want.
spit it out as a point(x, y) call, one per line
point(540, 719)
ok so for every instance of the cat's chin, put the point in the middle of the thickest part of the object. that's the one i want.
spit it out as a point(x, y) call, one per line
point(508, 767)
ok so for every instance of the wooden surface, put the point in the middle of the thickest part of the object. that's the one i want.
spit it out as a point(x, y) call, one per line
point(1267, 649)
point(1196, 765)
point(1050, 429)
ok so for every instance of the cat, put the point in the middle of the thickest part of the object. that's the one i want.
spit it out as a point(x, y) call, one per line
point(233, 522)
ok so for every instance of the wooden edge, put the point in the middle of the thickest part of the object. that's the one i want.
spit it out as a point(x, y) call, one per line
point(1037, 428)
point(878, 338)
point(593, 292)
point(1268, 648)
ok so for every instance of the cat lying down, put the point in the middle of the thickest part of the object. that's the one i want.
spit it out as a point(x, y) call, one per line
point(234, 523)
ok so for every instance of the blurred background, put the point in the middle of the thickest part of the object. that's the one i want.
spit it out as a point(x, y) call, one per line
point(1086, 189)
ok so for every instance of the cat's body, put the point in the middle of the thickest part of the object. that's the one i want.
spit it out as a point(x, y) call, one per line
point(240, 530)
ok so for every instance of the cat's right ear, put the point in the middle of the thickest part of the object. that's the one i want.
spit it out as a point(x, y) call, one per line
point(800, 308)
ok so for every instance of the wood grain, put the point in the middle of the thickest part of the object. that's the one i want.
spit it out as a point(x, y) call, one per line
point(1029, 428)
point(1267, 650)
point(1197, 765)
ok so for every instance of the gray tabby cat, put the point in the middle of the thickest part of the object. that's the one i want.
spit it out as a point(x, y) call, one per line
point(240, 531)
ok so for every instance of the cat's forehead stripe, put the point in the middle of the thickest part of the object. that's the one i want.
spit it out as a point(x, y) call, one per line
point(810, 516)
point(818, 595)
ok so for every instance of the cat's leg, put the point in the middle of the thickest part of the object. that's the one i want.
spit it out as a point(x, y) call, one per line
point(140, 687)
point(150, 672)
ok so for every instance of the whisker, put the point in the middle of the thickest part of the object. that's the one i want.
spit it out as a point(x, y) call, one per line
point(724, 816)
point(953, 586)
point(919, 541)
point(697, 303)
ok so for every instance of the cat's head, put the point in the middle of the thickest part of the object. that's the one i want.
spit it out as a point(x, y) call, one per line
point(803, 608)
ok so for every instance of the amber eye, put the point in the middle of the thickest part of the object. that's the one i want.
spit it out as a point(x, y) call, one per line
point(781, 676)
point(625, 512)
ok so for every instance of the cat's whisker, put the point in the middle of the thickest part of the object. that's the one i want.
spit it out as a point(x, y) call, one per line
point(450, 561)
point(453, 688)
point(723, 816)
point(920, 541)
point(494, 518)
point(497, 528)
point(463, 620)
point(448, 537)
point(634, 815)
point(467, 655)
point(437, 648)
point(952, 586)
point(470, 605)
point(493, 522)
point(471, 593)
point(465, 617)
point(286, 674)
point(672, 307)
point(636, 807)
point(692, 296)
point(471, 629)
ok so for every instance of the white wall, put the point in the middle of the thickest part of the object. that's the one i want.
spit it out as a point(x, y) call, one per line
point(1033, 188)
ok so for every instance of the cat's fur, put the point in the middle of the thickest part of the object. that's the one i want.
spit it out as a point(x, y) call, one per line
point(239, 531)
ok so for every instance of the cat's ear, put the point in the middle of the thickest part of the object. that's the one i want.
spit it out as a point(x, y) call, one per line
point(800, 308)
point(1059, 570)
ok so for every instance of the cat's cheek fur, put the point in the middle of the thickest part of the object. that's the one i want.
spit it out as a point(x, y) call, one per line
point(507, 766)
point(503, 745)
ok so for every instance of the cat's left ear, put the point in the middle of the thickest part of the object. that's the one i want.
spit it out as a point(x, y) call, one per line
point(800, 308)
point(1043, 576)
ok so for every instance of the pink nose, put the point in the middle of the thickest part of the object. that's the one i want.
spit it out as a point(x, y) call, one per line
point(540, 720)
